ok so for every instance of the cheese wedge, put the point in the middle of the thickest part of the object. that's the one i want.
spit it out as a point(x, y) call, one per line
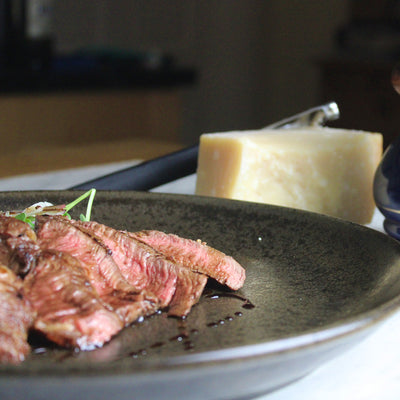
point(325, 170)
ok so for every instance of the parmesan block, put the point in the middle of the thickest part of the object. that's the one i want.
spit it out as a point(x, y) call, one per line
point(324, 170)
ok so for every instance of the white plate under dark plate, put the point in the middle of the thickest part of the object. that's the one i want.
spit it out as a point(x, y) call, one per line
point(318, 285)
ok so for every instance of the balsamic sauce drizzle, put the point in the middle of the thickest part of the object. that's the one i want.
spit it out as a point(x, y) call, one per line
point(185, 336)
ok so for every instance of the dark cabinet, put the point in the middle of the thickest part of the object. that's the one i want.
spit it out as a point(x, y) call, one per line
point(363, 91)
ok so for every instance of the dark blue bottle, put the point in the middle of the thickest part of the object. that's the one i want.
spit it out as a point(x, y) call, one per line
point(387, 189)
point(387, 178)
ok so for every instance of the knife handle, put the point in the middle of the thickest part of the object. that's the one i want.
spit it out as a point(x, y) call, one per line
point(149, 174)
point(179, 164)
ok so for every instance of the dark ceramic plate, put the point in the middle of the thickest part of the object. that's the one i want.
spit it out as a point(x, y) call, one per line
point(315, 286)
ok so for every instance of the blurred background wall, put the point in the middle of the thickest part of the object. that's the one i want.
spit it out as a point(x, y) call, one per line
point(256, 60)
point(141, 78)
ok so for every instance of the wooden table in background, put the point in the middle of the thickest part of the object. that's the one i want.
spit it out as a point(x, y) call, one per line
point(44, 158)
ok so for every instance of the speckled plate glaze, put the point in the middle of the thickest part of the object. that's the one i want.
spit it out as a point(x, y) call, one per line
point(315, 286)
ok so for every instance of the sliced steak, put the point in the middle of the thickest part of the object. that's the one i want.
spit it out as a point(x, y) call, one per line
point(195, 255)
point(142, 267)
point(16, 316)
point(69, 311)
point(22, 254)
point(58, 233)
point(12, 227)
point(189, 287)
point(17, 245)
point(149, 271)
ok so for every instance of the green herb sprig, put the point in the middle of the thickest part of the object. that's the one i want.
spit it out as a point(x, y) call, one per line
point(91, 193)
point(30, 213)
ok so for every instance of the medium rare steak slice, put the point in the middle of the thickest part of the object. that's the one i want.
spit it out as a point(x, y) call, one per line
point(190, 286)
point(69, 311)
point(58, 233)
point(16, 316)
point(195, 255)
point(150, 271)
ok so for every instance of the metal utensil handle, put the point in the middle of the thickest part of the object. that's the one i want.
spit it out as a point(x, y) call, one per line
point(149, 174)
point(167, 168)
point(315, 116)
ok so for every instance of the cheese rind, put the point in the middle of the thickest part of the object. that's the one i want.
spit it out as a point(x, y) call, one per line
point(325, 170)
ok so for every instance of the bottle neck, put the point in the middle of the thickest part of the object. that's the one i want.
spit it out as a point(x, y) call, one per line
point(28, 34)
point(38, 17)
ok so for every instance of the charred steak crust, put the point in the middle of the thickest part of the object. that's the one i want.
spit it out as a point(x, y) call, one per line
point(149, 271)
point(12, 227)
point(22, 254)
point(17, 245)
point(16, 317)
point(195, 255)
point(69, 311)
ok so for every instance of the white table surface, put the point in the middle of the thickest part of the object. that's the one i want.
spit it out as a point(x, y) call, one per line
point(370, 370)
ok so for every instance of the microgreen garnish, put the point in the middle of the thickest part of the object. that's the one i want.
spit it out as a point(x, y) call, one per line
point(91, 193)
point(44, 208)
point(30, 220)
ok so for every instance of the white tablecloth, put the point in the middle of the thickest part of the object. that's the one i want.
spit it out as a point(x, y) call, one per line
point(370, 370)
